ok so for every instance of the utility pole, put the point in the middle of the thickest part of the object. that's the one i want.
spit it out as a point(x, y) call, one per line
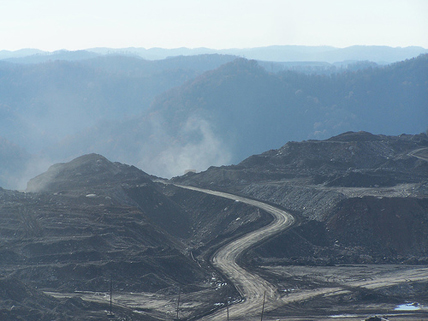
point(227, 309)
point(111, 295)
point(178, 302)
point(110, 314)
point(263, 308)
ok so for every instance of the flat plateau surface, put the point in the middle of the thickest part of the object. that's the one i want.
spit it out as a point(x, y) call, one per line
point(323, 293)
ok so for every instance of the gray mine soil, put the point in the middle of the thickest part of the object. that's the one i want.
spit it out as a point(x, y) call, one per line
point(354, 246)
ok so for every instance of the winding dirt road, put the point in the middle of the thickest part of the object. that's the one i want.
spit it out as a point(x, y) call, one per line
point(420, 153)
point(251, 287)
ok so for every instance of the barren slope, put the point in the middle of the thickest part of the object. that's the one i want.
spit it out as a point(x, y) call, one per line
point(360, 197)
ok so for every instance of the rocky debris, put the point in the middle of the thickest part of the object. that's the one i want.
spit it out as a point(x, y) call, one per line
point(84, 222)
point(309, 201)
point(396, 227)
point(358, 198)
point(368, 193)
point(215, 220)
point(364, 230)
point(359, 156)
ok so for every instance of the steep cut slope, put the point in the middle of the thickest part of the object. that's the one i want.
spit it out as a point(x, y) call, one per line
point(360, 197)
point(85, 222)
point(97, 178)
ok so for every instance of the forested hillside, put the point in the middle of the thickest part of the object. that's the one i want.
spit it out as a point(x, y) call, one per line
point(42, 103)
point(184, 113)
point(250, 110)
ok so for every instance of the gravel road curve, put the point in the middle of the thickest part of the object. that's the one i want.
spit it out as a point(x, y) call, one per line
point(251, 286)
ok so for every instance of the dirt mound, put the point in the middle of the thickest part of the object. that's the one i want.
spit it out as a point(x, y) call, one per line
point(84, 222)
point(367, 194)
point(85, 171)
point(358, 231)
point(361, 136)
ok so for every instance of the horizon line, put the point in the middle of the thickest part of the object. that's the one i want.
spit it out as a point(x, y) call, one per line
point(207, 48)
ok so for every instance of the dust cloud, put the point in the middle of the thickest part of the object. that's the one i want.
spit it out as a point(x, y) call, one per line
point(18, 180)
point(194, 147)
point(150, 146)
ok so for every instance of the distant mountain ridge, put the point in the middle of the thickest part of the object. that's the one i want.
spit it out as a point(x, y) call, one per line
point(192, 112)
point(86, 91)
point(251, 110)
point(286, 53)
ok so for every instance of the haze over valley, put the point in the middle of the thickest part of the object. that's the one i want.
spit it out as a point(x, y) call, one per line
point(191, 112)
point(214, 160)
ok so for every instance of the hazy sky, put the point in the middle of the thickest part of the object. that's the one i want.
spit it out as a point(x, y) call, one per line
point(79, 24)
